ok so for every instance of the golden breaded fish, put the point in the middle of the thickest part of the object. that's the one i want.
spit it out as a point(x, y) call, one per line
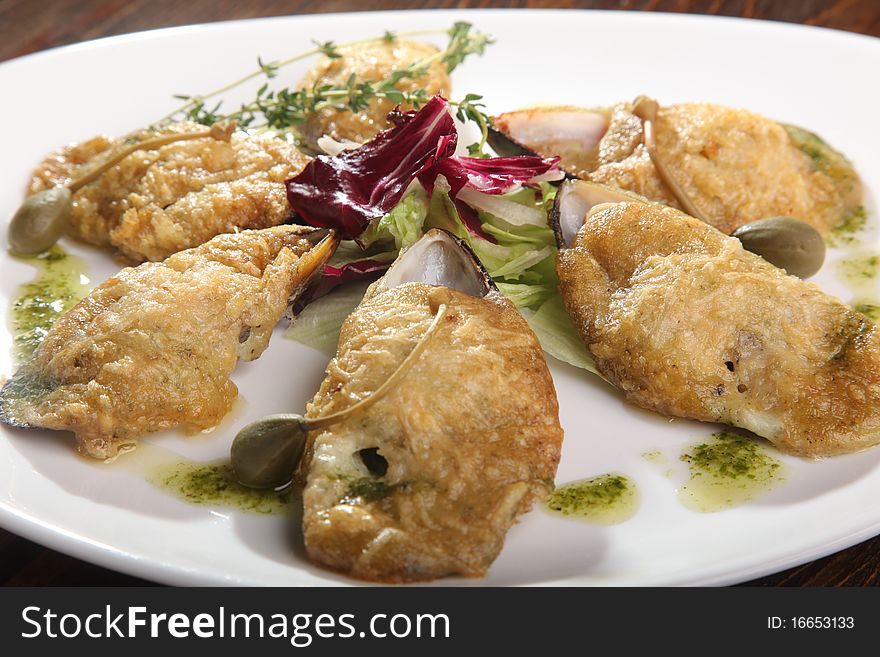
point(426, 481)
point(735, 165)
point(157, 202)
point(153, 346)
point(369, 62)
point(686, 322)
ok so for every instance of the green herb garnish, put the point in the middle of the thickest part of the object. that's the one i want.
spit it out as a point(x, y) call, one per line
point(284, 108)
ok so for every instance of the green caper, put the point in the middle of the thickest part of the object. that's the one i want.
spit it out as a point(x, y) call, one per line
point(788, 243)
point(40, 221)
point(265, 453)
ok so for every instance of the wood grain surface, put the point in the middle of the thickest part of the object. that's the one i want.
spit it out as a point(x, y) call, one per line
point(30, 25)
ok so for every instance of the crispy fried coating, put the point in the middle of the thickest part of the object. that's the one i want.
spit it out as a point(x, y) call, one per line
point(157, 202)
point(471, 438)
point(372, 62)
point(737, 166)
point(687, 323)
point(152, 347)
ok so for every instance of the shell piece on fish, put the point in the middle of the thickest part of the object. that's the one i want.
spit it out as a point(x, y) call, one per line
point(686, 322)
point(575, 200)
point(153, 346)
point(572, 133)
point(426, 482)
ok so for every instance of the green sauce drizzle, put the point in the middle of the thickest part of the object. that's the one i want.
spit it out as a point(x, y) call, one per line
point(366, 489)
point(726, 471)
point(59, 286)
point(654, 456)
point(852, 223)
point(860, 267)
point(608, 499)
point(214, 484)
point(868, 309)
point(859, 272)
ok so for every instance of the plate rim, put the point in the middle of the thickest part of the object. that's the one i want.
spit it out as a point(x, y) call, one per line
point(619, 14)
point(80, 546)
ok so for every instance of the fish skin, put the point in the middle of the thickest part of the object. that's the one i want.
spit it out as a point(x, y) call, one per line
point(471, 436)
point(685, 322)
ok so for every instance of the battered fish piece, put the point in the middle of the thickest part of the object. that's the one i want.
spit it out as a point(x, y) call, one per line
point(157, 202)
point(737, 166)
point(371, 62)
point(152, 347)
point(427, 481)
point(686, 322)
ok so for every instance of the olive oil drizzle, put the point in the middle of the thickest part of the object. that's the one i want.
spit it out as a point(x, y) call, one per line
point(60, 284)
point(726, 471)
point(214, 484)
point(607, 499)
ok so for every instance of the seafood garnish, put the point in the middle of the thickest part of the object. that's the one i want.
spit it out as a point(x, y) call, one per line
point(685, 322)
point(730, 166)
point(152, 347)
point(426, 481)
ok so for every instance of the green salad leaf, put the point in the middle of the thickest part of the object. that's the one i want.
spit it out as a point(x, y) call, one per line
point(403, 224)
point(522, 263)
point(557, 335)
point(319, 323)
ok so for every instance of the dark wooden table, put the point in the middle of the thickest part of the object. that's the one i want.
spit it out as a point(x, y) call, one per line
point(27, 26)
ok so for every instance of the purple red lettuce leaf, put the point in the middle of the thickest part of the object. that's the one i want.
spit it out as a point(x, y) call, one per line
point(349, 190)
point(332, 277)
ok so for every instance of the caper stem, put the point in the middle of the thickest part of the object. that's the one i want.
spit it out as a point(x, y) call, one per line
point(646, 109)
point(310, 424)
point(265, 453)
point(220, 132)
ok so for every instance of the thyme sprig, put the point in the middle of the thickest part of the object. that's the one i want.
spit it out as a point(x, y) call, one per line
point(282, 109)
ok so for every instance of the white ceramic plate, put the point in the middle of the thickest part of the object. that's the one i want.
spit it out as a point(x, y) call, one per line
point(110, 515)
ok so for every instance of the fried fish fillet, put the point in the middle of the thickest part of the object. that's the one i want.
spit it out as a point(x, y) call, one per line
point(737, 166)
point(152, 347)
point(686, 322)
point(427, 481)
point(158, 202)
point(369, 62)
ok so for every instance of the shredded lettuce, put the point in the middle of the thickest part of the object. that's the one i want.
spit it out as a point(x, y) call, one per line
point(403, 223)
point(348, 252)
point(557, 335)
point(319, 323)
point(526, 296)
point(522, 263)
point(518, 250)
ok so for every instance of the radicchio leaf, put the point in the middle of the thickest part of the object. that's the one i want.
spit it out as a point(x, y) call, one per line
point(351, 189)
point(494, 175)
point(332, 277)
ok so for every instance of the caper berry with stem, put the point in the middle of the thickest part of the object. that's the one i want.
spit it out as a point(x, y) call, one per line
point(43, 217)
point(40, 221)
point(265, 453)
point(788, 243)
